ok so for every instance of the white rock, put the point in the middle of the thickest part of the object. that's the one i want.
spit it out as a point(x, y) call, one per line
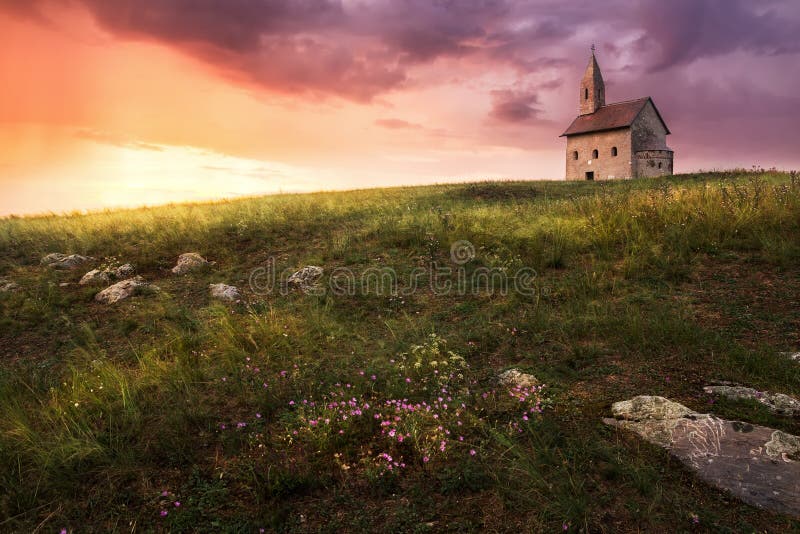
point(646, 407)
point(56, 260)
point(95, 276)
point(124, 271)
point(190, 261)
point(794, 356)
point(123, 290)
point(756, 464)
point(225, 292)
point(776, 402)
point(7, 286)
point(518, 379)
point(306, 277)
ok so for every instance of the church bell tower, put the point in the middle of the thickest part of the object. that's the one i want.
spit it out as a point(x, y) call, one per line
point(593, 89)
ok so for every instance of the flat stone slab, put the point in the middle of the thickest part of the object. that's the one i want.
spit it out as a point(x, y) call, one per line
point(759, 465)
point(777, 402)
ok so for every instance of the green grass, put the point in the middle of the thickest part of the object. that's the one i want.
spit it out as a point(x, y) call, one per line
point(640, 287)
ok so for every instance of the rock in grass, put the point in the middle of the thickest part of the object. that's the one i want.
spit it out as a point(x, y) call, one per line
point(755, 463)
point(190, 261)
point(646, 407)
point(776, 402)
point(105, 276)
point(7, 286)
point(123, 290)
point(56, 260)
point(124, 271)
point(305, 278)
point(225, 292)
point(514, 378)
point(794, 356)
point(95, 277)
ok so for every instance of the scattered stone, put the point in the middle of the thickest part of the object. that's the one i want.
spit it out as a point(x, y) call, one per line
point(794, 356)
point(225, 292)
point(646, 407)
point(776, 402)
point(516, 378)
point(754, 463)
point(123, 290)
point(56, 260)
point(95, 277)
point(784, 445)
point(190, 261)
point(105, 276)
point(124, 271)
point(65, 284)
point(305, 278)
point(7, 286)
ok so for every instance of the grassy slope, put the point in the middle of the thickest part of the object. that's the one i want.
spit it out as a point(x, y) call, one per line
point(645, 287)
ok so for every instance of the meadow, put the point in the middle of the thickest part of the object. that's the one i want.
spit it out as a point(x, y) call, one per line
point(378, 409)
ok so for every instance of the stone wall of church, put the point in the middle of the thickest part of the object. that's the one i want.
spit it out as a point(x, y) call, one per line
point(605, 166)
point(648, 131)
point(652, 157)
point(653, 163)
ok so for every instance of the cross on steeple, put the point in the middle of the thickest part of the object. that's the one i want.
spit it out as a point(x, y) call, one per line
point(592, 48)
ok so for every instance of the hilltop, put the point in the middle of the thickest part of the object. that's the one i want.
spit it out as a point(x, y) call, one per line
point(369, 398)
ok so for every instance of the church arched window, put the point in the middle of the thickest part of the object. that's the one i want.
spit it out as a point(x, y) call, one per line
point(595, 154)
point(575, 155)
point(586, 94)
point(614, 151)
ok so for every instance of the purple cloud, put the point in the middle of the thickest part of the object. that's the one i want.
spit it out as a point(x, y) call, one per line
point(682, 31)
point(514, 107)
point(359, 50)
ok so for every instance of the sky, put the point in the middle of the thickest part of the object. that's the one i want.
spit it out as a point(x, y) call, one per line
point(107, 103)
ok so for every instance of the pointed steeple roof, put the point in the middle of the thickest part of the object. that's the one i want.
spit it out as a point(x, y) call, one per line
point(593, 88)
point(593, 70)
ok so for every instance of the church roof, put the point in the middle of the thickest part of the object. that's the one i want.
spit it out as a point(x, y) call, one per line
point(611, 117)
point(593, 72)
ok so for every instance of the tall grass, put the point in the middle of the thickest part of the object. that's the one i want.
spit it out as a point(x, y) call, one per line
point(107, 400)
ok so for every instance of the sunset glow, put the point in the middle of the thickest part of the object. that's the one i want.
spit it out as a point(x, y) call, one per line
point(117, 103)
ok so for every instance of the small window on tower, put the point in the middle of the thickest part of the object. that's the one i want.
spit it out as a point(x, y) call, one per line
point(595, 154)
point(575, 155)
point(614, 151)
point(586, 94)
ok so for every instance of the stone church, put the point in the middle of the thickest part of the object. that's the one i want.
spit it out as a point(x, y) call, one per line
point(614, 141)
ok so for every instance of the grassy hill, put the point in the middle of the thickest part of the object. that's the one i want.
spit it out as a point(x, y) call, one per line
point(375, 406)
